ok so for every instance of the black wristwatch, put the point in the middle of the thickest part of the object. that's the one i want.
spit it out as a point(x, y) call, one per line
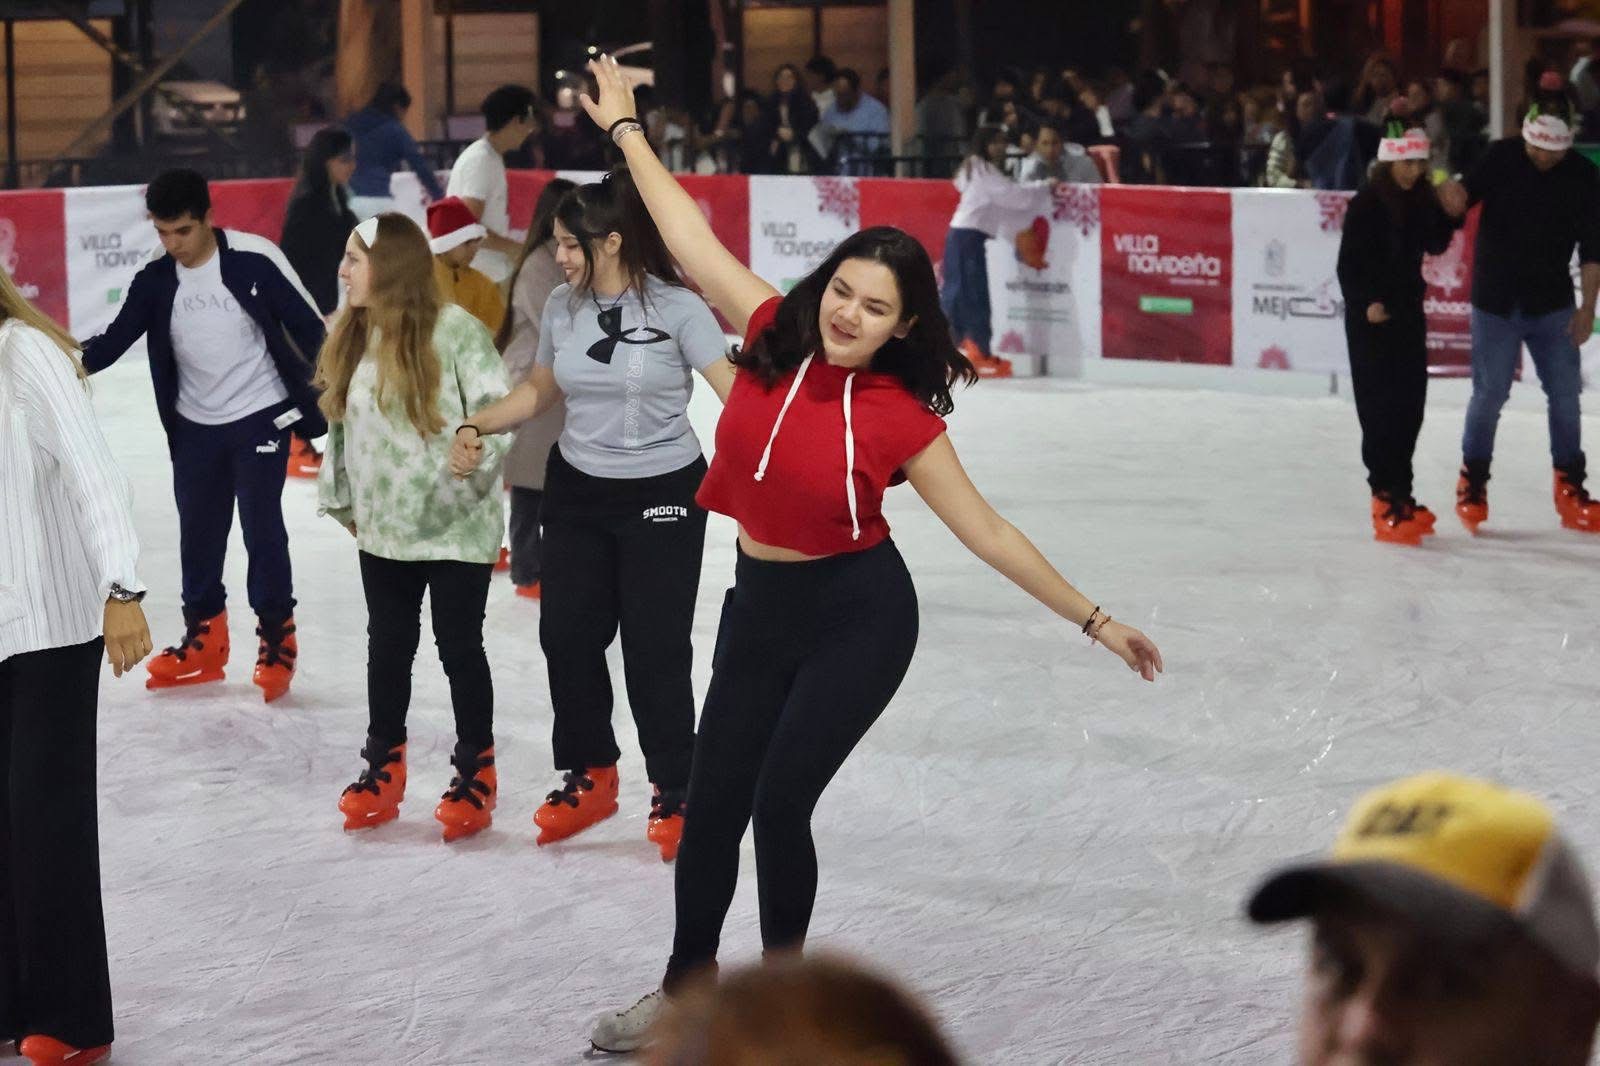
point(122, 595)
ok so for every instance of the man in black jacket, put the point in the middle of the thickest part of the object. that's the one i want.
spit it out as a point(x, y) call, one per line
point(1540, 201)
point(233, 338)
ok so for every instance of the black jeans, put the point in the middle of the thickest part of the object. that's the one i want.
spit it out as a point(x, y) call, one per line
point(808, 656)
point(621, 553)
point(212, 468)
point(1389, 375)
point(53, 974)
point(457, 593)
point(527, 539)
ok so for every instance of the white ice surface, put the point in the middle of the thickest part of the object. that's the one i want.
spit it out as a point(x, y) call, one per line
point(1054, 853)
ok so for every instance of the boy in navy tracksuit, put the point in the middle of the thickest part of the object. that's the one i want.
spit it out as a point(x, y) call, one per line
point(233, 338)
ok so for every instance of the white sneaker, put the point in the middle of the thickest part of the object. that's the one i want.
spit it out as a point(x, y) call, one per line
point(628, 1030)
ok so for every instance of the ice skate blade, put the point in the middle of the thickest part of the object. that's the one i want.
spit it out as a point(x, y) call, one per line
point(550, 836)
point(1579, 524)
point(183, 680)
point(453, 831)
point(273, 692)
point(372, 821)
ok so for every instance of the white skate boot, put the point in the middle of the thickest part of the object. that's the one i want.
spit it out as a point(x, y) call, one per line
point(628, 1030)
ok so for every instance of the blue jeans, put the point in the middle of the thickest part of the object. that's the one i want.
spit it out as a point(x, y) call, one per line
point(965, 296)
point(1496, 349)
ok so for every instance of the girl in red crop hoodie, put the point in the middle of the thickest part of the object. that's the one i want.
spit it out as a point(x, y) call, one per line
point(839, 394)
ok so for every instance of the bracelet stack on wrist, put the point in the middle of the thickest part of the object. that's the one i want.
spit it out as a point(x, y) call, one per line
point(624, 126)
point(1096, 622)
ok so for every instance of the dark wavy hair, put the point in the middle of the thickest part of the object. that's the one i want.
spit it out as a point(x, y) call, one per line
point(926, 360)
point(613, 205)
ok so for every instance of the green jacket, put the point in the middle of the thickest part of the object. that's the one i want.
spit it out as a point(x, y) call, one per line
point(395, 484)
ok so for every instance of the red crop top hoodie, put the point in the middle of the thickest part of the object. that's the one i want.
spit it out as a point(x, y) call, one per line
point(803, 465)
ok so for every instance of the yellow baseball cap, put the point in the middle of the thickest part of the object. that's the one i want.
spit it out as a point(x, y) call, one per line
point(1457, 855)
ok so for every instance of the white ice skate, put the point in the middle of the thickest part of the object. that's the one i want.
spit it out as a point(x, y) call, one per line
point(628, 1030)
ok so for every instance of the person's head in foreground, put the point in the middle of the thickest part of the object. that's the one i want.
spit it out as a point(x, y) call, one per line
point(799, 1012)
point(1451, 926)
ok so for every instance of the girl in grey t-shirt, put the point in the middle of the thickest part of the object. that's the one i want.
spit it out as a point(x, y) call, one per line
point(619, 343)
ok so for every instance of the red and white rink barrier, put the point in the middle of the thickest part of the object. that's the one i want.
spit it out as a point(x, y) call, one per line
point(1117, 275)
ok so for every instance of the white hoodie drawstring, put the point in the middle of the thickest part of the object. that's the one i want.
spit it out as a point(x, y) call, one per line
point(761, 468)
point(849, 442)
point(850, 460)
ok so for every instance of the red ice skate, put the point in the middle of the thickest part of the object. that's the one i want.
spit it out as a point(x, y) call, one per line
point(1425, 517)
point(275, 658)
point(1472, 495)
point(1394, 521)
point(468, 804)
point(530, 592)
point(503, 563)
point(665, 829)
point(585, 798)
point(48, 1051)
point(988, 366)
point(1578, 510)
point(198, 658)
point(374, 797)
point(304, 460)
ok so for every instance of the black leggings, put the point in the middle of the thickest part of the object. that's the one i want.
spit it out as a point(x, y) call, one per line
point(808, 656)
point(621, 553)
point(457, 592)
point(53, 974)
point(1389, 375)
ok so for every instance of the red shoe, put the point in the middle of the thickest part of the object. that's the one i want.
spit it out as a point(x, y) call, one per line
point(1425, 517)
point(665, 829)
point(585, 799)
point(1472, 494)
point(304, 460)
point(199, 658)
point(531, 592)
point(48, 1051)
point(1578, 510)
point(504, 562)
point(467, 805)
point(374, 797)
point(275, 658)
point(1394, 521)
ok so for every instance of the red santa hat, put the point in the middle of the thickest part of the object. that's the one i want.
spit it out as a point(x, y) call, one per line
point(451, 224)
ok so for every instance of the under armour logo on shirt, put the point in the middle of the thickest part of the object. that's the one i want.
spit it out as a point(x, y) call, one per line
point(610, 321)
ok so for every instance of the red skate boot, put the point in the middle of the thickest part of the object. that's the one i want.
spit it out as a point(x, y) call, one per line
point(275, 659)
point(374, 797)
point(467, 805)
point(48, 1051)
point(1472, 494)
point(304, 459)
point(1578, 510)
point(582, 801)
point(1425, 517)
point(529, 592)
point(503, 563)
point(1394, 521)
point(665, 829)
point(988, 366)
point(199, 658)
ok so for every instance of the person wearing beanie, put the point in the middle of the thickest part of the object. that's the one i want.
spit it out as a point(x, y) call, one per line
point(1540, 201)
point(1452, 924)
point(455, 235)
point(1390, 225)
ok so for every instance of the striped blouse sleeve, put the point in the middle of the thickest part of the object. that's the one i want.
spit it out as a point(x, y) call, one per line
point(61, 422)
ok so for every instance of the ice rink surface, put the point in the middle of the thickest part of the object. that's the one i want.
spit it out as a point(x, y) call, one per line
point(1052, 852)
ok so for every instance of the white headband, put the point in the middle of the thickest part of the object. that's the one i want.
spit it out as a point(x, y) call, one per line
point(1547, 132)
point(368, 231)
point(1414, 145)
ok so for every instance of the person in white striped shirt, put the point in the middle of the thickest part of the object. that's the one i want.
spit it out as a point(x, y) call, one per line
point(68, 590)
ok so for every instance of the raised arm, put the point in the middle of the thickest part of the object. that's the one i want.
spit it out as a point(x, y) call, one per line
point(731, 286)
point(937, 475)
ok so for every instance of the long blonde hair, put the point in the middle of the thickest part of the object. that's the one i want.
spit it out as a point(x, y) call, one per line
point(402, 309)
point(15, 305)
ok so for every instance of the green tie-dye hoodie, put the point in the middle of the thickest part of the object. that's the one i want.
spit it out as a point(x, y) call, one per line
point(395, 484)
